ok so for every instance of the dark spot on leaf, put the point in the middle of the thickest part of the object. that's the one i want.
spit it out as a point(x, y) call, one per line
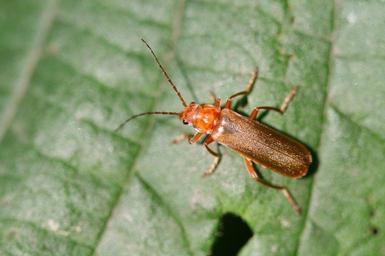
point(233, 233)
point(374, 231)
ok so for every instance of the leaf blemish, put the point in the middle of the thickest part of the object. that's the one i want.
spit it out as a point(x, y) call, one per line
point(232, 234)
point(374, 231)
point(52, 225)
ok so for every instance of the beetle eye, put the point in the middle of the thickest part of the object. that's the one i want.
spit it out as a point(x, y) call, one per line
point(185, 122)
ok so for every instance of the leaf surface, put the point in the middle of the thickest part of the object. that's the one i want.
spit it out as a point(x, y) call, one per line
point(73, 70)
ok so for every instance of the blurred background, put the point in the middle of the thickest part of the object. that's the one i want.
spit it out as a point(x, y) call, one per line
point(72, 71)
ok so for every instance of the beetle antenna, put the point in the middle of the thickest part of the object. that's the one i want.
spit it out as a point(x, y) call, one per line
point(166, 75)
point(143, 114)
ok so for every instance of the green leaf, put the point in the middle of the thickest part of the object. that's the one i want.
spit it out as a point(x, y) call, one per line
point(72, 71)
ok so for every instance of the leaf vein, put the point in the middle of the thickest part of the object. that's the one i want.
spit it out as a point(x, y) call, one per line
point(32, 59)
point(171, 213)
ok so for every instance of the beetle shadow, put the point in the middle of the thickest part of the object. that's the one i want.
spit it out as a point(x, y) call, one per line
point(242, 102)
point(313, 168)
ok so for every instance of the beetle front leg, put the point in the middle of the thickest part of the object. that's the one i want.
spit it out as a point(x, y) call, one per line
point(217, 157)
point(284, 190)
point(280, 110)
point(249, 88)
point(190, 138)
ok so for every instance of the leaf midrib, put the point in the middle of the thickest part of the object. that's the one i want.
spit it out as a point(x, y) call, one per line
point(323, 122)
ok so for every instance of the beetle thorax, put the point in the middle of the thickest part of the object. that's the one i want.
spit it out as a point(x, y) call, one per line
point(203, 117)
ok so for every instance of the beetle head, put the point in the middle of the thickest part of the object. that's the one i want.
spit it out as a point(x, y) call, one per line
point(203, 117)
point(188, 114)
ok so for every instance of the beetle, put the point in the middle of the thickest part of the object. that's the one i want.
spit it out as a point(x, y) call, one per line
point(253, 140)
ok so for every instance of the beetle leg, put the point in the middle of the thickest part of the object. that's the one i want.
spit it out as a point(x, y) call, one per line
point(191, 138)
point(208, 140)
point(181, 137)
point(217, 157)
point(255, 111)
point(283, 107)
point(217, 101)
point(284, 190)
point(249, 88)
point(195, 138)
point(288, 99)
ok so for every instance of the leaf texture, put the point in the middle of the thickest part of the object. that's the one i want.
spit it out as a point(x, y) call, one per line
point(72, 71)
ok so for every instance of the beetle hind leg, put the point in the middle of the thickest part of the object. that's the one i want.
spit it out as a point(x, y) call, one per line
point(284, 190)
point(289, 97)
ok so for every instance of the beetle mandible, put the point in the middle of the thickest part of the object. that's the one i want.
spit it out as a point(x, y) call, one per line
point(254, 141)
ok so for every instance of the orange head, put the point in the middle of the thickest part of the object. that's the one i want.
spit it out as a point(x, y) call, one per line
point(203, 117)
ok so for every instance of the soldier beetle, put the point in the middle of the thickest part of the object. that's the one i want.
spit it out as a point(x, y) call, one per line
point(254, 141)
